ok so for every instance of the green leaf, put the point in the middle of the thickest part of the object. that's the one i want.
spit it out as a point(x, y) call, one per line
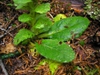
point(53, 50)
point(21, 3)
point(22, 35)
point(82, 42)
point(67, 28)
point(24, 18)
point(42, 8)
point(59, 17)
point(42, 24)
point(53, 66)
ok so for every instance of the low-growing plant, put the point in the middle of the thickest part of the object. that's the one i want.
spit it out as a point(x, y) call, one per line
point(51, 36)
point(53, 66)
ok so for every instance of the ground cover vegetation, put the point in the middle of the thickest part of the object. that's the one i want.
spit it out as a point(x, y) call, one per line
point(49, 37)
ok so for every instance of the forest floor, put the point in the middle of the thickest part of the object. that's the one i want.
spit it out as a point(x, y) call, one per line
point(87, 61)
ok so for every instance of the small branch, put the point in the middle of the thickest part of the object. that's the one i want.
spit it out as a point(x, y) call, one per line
point(3, 67)
point(6, 32)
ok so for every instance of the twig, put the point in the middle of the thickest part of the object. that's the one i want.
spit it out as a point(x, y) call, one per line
point(3, 67)
point(8, 23)
point(6, 31)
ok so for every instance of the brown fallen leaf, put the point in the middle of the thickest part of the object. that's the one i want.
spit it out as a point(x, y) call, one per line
point(8, 48)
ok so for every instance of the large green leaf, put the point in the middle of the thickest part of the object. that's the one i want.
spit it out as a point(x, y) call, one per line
point(43, 8)
point(21, 3)
point(22, 35)
point(65, 29)
point(53, 50)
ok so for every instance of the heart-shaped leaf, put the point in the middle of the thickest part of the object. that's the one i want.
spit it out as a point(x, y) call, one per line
point(53, 50)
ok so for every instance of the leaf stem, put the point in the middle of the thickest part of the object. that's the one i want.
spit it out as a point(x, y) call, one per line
point(43, 35)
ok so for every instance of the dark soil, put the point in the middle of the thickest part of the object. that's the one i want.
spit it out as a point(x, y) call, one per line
point(87, 61)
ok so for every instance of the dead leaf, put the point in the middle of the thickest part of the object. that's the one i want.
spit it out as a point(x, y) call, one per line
point(8, 48)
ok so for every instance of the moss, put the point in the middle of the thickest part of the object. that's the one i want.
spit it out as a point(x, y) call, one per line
point(92, 8)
